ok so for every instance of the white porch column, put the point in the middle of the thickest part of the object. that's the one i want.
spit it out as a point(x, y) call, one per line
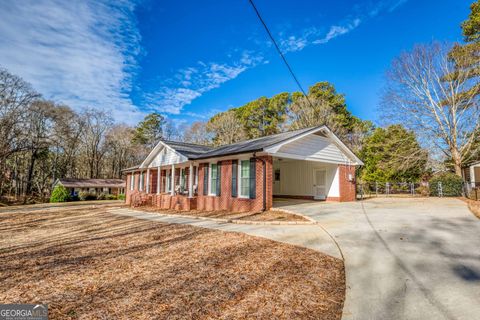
point(190, 181)
point(148, 181)
point(172, 192)
point(472, 176)
point(158, 180)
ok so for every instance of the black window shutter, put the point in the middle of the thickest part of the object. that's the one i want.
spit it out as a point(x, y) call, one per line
point(234, 178)
point(219, 178)
point(253, 178)
point(205, 179)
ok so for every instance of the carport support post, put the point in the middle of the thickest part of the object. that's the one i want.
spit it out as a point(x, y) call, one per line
point(190, 181)
point(172, 192)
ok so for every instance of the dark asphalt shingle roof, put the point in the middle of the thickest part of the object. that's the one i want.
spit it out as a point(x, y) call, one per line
point(252, 145)
point(131, 168)
point(92, 183)
point(189, 150)
point(195, 151)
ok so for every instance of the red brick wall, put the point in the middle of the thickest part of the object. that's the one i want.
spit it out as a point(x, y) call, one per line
point(347, 188)
point(225, 201)
point(128, 192)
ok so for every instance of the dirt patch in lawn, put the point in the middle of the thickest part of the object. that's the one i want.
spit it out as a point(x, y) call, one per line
point(248, 216)
point(89, 264)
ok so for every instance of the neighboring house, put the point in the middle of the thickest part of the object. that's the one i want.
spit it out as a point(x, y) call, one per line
point(471, 174)
point(309, 163)
point(95, 186)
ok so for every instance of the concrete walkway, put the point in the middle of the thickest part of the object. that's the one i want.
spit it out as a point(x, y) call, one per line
point(309, 236)
point(405, 258)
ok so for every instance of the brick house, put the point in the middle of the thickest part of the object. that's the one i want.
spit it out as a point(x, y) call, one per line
point(309, 163)
point(94, 186)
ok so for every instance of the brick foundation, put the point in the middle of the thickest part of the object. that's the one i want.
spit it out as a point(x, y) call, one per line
point(162, 201)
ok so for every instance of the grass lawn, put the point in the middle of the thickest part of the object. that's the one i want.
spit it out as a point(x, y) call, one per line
point(88, 264)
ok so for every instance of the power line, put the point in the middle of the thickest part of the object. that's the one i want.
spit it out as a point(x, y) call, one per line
point(280, 52)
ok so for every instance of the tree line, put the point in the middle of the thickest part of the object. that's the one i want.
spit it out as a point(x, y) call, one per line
point(430, 114)
point(42, 141)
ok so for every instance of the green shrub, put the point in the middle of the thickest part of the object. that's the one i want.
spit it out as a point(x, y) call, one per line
point(121, 196)
point(111, 197)
point(102, 196)
point(423, 191)
point(59, 194)
point(452, 185)
point(84, 195)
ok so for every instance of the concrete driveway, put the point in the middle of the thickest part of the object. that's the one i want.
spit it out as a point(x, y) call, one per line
point(405, 258)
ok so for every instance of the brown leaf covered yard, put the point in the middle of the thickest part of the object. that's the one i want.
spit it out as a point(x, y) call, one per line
point(87, 263)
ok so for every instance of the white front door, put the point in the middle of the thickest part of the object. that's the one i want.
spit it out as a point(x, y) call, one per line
point(319, 182)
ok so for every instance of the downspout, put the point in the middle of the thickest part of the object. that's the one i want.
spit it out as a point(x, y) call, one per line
point(264, 204)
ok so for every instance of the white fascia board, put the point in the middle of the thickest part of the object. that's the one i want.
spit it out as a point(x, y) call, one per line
point(229, 157)
point(298, 157)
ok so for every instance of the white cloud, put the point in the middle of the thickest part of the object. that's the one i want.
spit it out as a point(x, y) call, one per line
point(396, 4)
point(82, 53)
point(339, 30)
point(191, 83)
point(292, 43)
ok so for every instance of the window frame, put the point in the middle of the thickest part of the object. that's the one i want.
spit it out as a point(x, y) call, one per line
point(183, 180)
point(140, 184)
point(168, 180)
point(239, 178)
point(210, 179)
point(132, 182)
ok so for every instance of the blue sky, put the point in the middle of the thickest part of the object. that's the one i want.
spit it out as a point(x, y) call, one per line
point(194, 59)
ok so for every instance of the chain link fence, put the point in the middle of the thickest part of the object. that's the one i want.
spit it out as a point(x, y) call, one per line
point(472, 190)
point(412, 189)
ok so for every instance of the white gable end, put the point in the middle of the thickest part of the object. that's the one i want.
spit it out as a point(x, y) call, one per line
point(166, 156)
point(312, 147)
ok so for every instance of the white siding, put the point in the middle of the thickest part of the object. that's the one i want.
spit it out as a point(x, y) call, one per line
point(313, 147)
point(296, 177)
point(165, 157)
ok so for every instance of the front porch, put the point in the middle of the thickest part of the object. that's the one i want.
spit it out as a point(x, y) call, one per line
point(165, 187)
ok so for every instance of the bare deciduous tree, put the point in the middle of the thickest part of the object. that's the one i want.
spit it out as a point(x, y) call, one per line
point(442, 110)
point(226, 128)
point(121, 152)
point(16, 96)
point(96, 125)
point(197, 133)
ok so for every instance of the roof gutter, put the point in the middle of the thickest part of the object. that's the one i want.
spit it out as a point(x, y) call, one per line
point(227, 154)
